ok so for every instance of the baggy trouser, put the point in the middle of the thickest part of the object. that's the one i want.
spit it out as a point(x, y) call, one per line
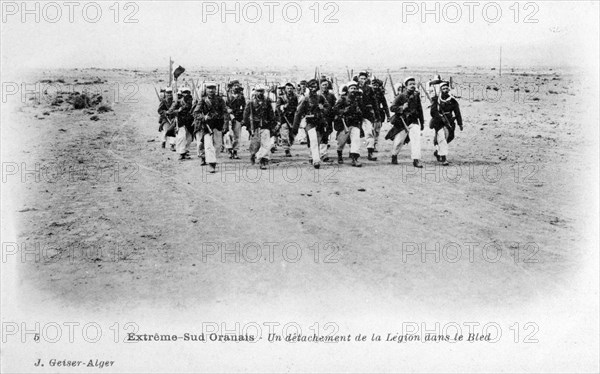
point(163, 135)
point(415, 141)
point(260, 143)
point(183, 140)
point(199, 144)
point(376, 131)
point(442, 136)
point(315, 147)
point(234, 136)
point(210, 152)
point(367, 127)
point(217, 140)
point(287, 138)
point(353, 135)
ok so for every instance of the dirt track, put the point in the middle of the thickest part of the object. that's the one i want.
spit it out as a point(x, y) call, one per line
point(165, 216)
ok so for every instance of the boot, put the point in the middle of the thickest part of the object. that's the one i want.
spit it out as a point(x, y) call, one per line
point(203, 161)
point(375, 149)
point(163, 144)
point(340, 158)
point(231, 154)
point(444, 161)
point(173, 147)
point(417, 164)
point(181, 157)
point(234, 155)
point(253, 159)
point(317, 165)
point(438, 157)
point(287, 153)
point(325, 159)
point(355, 161)
point(263, 163)
point(212, 167)
point(370, 155)
point(395, 160)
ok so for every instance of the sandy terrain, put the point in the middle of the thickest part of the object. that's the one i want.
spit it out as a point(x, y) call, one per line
point(521, 187)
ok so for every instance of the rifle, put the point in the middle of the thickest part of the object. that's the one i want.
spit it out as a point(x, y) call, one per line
point(444, 119)
point(392, 83)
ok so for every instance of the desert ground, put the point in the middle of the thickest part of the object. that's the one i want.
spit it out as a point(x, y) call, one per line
point(119, 224)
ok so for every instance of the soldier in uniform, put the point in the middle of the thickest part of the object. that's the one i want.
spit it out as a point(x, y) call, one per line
point(182, 108)
point(259, 120)
point(408, 114)
point(163, 108)
point(326, 88)
point(369, 114)
point(315, 109)
point(382, 112)
point(350, 110)
point(209, 116)
point(302, 89)
point(286, 107)
point(236, 103)
point(445, 113)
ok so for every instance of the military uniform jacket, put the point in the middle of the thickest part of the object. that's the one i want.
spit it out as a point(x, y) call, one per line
point(331, 100)
point(258, 114)
point(182, 108)
point(287, 114)
point(309, 108)
point(211, 111)
point(237, 105)
point(412, 114)
point(381, 106)
point(449, 108)
point(351, 109)
point(369, 102)
point(163, 108)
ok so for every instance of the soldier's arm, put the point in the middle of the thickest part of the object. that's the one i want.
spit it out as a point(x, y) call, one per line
point(457, 114)
point(338, 108)
point(247, 116)
point(174, 107)
point(420, 112)
point(300, 111)
point(397, 104)
point(434, 108)
point(384, 104)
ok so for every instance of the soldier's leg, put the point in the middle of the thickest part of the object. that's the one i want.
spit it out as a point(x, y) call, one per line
point(442, 136)
point(188, 141)
point(209, 149)
point(218, 140)
point(228, 141)
point(199, 144)
point(398, 143)
point(163, 138)
point(265, 144)
point(181, 140)
point(369, 138)
point(313, 138)
point(368, 129)
point(376, 132)
point(236, 130)
point(285, 136)
point(355, 145)
point(415, 141)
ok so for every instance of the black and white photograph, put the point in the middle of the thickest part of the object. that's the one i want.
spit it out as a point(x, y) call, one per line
point(300, 186)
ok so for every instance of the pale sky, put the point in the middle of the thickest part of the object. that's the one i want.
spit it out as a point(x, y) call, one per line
point(374, 33)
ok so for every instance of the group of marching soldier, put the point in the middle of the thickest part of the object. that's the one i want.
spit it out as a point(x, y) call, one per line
point(215, 122)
